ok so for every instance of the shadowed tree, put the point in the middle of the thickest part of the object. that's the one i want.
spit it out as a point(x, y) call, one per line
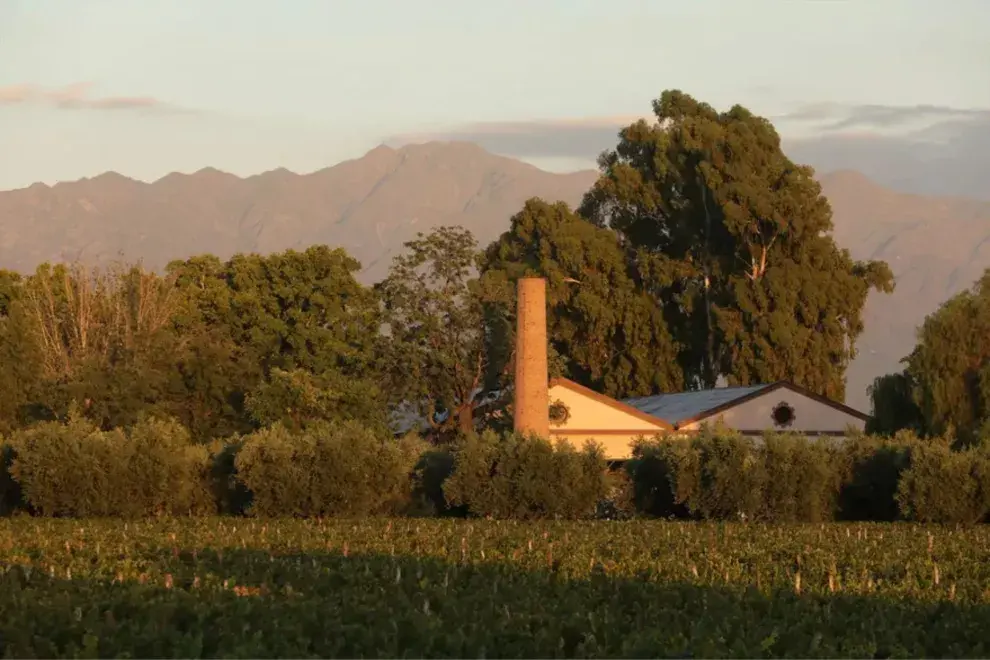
point(894, 407)
point(733, 240)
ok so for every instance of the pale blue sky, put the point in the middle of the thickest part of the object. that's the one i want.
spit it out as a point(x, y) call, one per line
point(247, 86)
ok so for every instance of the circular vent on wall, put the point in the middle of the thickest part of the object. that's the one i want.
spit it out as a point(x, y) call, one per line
point(783, 414)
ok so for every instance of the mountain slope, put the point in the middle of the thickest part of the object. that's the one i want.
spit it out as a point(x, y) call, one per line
point(372, 205)
point(936, 247)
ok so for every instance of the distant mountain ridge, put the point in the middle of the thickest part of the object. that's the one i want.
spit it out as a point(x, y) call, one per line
point(370, 206)
point(936, 246)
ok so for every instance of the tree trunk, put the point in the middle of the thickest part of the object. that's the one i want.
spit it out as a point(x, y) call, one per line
point(465, 418)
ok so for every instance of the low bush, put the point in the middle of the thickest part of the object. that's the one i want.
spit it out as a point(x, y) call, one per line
point(231, 496)
point(720, 477)
point(718, 474)
point(653, 470)
point(74, 469)
point(869, 470)
point(801, 479)
point(511, 476)
point(433, 469)
point(328, 469)
point(945, 486)
point(619, 502)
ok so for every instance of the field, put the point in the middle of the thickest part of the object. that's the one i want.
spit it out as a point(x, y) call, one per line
point(254, 588)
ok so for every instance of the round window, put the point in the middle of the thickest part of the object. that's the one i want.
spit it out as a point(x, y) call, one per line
point(783, 414)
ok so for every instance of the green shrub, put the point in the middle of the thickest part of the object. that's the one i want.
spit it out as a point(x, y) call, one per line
point(653, 470)
point(870, 470)
point(619, 502)
point(721, 476)
point(328, 469)
point(433, 469)
point(718, 474)
point(512, 476)
point(74, 469)
point(941, 485)
point(231, 496)
point(801, 479)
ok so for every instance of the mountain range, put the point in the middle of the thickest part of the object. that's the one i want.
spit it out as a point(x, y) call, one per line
point(936, 246)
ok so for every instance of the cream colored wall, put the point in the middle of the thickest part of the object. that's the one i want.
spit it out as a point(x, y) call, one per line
point(588, 414)
point(810, 416)
point(616, 447)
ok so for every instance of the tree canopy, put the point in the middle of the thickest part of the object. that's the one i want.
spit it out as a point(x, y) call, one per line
point(611, 331)
point(945, 385)
point(734, 243)
point(436, 357)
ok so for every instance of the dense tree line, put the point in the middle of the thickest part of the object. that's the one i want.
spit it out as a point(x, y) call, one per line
point(702, 254)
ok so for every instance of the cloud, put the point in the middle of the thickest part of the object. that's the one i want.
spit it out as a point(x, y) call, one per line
point(834, 117)
point(78, 96)
point(927, 149)
point(581, 138)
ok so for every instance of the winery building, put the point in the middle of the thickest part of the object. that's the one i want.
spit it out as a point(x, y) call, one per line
point(752, 411)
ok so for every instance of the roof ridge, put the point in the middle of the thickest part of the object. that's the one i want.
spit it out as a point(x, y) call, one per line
point(710, 389)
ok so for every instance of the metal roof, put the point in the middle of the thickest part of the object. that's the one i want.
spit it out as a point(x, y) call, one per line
point(680, 406)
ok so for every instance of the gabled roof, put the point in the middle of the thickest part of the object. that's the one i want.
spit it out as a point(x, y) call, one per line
point(679, 407)
point(615, 404)
point(683, 408)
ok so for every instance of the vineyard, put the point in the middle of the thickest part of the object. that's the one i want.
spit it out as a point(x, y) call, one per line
point(427, 587)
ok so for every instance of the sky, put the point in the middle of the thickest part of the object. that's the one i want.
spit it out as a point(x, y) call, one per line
point(147, 87)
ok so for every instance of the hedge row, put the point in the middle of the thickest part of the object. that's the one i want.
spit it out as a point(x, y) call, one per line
point(328, 469)
point(154, 468)
point(794, 479)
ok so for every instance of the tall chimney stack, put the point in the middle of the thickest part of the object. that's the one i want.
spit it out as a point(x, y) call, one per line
point(532, 397)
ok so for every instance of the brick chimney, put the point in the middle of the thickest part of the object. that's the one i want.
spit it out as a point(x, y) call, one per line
point(532, 398)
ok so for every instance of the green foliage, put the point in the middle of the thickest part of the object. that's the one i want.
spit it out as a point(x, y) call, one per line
point(229, 492)
point(276, 329)
point(19, 355)
point(298, 398)
point(74, 469)
point(433, 469)
point(100, 337)
point(949, 369)
point(653, 470)
point(328, 469)
point(723, 476)
point(894, 406)
point(436, 357)
point(802, 479)
point(511, 476)
point(611, 331)
point(466, 589)
point(734, 243)
point(870, 470)
point(945, 486)
point(619, 502)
